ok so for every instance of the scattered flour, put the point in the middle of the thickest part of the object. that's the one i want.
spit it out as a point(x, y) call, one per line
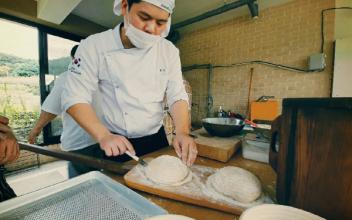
point(197, 188)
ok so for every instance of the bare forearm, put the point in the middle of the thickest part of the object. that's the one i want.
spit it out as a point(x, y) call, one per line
point(85, 116)
point(179, 113)
point(44, 119)
point(184, 145)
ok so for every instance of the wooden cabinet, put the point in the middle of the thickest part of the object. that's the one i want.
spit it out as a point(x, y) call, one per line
point(311, 151)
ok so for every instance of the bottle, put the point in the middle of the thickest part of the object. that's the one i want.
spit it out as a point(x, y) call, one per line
point(220, 112)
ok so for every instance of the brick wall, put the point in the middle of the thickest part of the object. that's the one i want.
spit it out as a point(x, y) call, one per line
point(285, 34)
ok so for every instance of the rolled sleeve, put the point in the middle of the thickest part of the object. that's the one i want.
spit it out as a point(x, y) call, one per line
point(82, 77)
point(52, 103)
point(175, 88)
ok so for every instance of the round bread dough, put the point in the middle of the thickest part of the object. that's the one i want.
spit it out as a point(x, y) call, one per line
point(170, 217)
point(168, 170)
point(236, 183)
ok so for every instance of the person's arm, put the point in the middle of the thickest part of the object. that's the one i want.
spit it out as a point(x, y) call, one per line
point(184, 145)
point(177, 99)
point(86, 117)
point(50, 108)
point(82, 83)
point(112, 144)
point(44, 119)
point(9, 149)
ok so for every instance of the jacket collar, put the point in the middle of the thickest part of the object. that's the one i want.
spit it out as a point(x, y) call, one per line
point(117, 36)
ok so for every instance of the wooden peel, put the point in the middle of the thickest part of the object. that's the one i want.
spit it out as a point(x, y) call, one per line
point(195, 196)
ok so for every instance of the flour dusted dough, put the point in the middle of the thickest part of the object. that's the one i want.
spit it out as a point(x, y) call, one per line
point(168, 170)
point(236, 183)
point(170, 217)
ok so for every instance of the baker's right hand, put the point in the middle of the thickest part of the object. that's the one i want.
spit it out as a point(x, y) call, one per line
point(114, 145)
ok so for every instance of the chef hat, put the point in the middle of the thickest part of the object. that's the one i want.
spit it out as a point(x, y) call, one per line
point(167, 5)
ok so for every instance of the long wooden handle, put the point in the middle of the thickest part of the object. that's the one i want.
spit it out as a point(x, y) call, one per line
point(109, 165)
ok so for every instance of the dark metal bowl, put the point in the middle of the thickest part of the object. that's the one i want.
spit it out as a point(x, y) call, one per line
point(223, 127)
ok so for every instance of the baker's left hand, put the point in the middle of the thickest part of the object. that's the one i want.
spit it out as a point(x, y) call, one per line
point(185, 148)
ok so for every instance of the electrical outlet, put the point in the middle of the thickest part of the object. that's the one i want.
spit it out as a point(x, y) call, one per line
point(317, 61)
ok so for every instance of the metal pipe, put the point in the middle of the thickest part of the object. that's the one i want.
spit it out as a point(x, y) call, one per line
point(253, 8)
point(109, 165)
point(210, 97)
point(212, 13)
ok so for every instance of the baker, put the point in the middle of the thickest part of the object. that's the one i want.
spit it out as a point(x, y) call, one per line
point(73, 137)
point(133, 66)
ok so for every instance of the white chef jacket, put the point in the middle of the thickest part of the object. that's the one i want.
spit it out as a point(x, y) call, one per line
point(132, 82)
point(73, 137)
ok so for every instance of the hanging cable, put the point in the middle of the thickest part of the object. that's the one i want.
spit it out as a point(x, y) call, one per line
point(279, 66)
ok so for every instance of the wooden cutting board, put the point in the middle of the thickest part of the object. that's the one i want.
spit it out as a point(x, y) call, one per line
point(217, 148)
point(194, 192)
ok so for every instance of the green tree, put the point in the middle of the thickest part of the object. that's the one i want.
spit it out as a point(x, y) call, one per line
point(17, 66)
point(57, 66)
point(25, 69)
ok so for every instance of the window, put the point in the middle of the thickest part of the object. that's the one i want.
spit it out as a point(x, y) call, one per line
point(59, 50)
point(32, 56)
point(19, 76)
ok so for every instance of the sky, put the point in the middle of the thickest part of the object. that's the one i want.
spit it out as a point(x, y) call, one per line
point(22, 41)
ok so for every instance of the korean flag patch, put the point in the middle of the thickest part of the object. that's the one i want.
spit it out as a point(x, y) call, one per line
point(75, 66)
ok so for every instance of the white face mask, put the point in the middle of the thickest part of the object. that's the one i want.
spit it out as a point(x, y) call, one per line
point(138, 38)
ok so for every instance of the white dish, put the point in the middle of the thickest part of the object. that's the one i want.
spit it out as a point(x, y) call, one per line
point(277, 212)
point(170, 217)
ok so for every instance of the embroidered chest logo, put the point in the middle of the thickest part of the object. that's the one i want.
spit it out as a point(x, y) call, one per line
point(75, 66)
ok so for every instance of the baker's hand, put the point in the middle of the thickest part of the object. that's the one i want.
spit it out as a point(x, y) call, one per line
point(185, 148)
point(32, 137)
point(9, 149)
point(115, 145)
